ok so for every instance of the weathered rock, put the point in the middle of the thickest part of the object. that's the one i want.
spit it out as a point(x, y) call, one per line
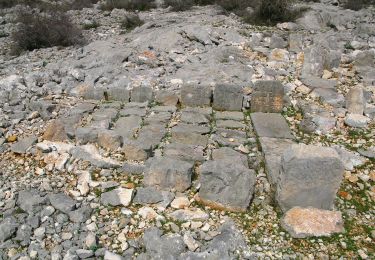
point(273, 149)
point(356, 120)
point(109, 140)
point(148, 195)
point(355, 101)
point(267, 97)
point(196, 95)
point(30, 201)
point(112, 256)
point(142, 94)
point(312, 222)
point(329, 96)
point(184, 152)
point(55, 131)
point(7, 228)
point(226, 185)
point(62, 202)
point(117, 197)
point(316, 82)
point(227, 97)
point(230, 155)
point(167, 173)
point(86, 135)
point(91, 154)
point(271, 125)
point(190, 134)
point(310, 177)
point(23, 145)
point(166, 97)
point(162, 247)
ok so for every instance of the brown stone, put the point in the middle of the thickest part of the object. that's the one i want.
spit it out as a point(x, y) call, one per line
point(55, 132)
point(312, 222)
point(268, 97)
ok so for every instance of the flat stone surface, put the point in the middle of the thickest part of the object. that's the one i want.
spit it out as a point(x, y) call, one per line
point(226, 185)
point(185, 152)
point(23, 145)
point(196, 95)
point(316, 82)
point(230, 124)
point(227, 97)
point(273, 149)
point(329, 96)
point(229, 115)
point(167, 173)
point(190, 134)
point(194, 118)
point(355, 101)
point(312, 222)
point(230, 155)
point(62, 202)
point(268, 96)
point(189, 215)
point(229, 137)
point(271, 125)
point(310, 176)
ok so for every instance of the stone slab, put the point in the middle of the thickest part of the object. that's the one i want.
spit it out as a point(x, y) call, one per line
point(271, 125)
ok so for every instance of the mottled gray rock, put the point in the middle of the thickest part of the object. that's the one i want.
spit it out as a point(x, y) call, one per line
point(271, 125)
point(226, 185)
point(268, 96)
point(190, 134)
point(62, 202)
point(315, 82)
point(84, 253)
point(118, 93)
point(185, 152)
point(349, 159)
point(126, 126)
point(105, 114)
point(86, 135)
point(147, 195)
point(314, 61)
point(159, 246)
point(323, 122)
point(7, 228)
point(24, 234)
point(194, 118)
point(112, 256)
point(119, 196)
point(355, 101)
point(329, 96)
point(167, 173)
point(142, 94)
point(227, 97)
point(167, 97)
point(30, 201)
point(80, 215)
point(230, 124)
point(133, 169)
point(23, 145)
point(229, 115)
point(273, 149)
point(310, 176)
point(356, 120)
point(193, 95)
point(229, 137)
point(109, 140)
point(230, 155)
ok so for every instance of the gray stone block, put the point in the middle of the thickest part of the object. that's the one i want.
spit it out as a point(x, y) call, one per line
point(226, 185)
point(228, 97)
point(268, 96)
point(196, 95)
point(167, 173)
point(142, 94)
point(271, 125)
point(310, 176)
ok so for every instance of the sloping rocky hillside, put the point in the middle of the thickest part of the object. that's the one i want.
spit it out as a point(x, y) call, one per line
point(192, 136)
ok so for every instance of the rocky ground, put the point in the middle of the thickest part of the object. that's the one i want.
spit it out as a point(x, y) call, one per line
point(185, 139)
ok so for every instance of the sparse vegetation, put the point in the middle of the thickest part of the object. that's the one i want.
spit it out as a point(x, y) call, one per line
point(358, 4)
point(179, 5)
point(140, 5)
point(44, 29)
point(72, 5)
point(131, 21)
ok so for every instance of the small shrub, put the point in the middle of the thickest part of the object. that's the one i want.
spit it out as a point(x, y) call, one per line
point(358, 4)
point(91, 25)
point(179, 5)
point(131, 21)
point(44, 29)
point(140, 5)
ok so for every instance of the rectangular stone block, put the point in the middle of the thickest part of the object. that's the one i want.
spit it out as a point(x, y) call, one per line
point(271, 125)
point(196, 95)
point(142, 94)
point(190, 134)
point(227, 98)
point(310, 176)
point(267, 97)
point(118, 94)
